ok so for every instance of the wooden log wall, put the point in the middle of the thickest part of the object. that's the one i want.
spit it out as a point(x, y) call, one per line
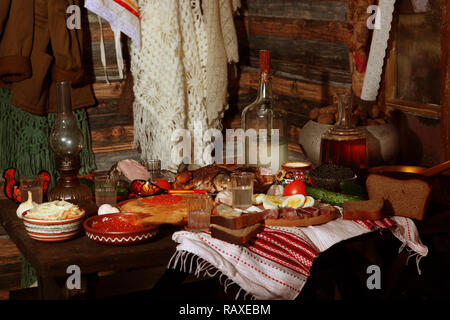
point(309, 55)
point(111, 120)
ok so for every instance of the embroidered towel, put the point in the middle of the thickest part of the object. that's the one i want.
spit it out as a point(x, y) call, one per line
point(277, 265)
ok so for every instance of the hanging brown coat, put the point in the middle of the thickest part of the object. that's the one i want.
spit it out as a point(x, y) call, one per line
point(37, 49)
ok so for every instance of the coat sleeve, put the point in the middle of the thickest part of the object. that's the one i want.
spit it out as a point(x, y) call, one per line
point(16, 39)
point(4, 10)
point(66, 41)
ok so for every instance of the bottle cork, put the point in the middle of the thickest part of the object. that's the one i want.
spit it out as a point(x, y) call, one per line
point(264, 61)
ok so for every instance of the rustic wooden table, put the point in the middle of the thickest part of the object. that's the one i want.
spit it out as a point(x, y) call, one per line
point(112, 271)
point(106, 270)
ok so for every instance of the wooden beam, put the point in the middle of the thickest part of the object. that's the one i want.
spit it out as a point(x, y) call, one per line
point(108, 91)
point(291, 88)
point(307, 73)
point(323, 54)
point(292, 28)
point(301, 9)
point(113, 138)
point(445, 81)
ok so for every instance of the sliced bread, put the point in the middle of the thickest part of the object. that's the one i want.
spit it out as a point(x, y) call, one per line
point(363, 210)
point(236, 236)
point(232, 221)
point(405, 195)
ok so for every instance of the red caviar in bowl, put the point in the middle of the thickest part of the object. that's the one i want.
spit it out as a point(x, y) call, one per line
point(166, 199)
point(117, 224)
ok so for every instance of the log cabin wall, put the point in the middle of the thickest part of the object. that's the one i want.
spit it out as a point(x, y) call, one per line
point(111, 120)
point(309, 56)
point(309, 63)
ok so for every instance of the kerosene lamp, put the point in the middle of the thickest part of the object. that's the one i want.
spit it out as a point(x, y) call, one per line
point(66, 141)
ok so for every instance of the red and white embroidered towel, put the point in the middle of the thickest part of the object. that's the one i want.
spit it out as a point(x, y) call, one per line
point(277, 264)
point(123, 15)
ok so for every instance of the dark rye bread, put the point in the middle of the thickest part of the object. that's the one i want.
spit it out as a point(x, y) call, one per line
point(244, 220)
point(237, 236)
point(406, 194)
point(363, 210)
point(237, 229)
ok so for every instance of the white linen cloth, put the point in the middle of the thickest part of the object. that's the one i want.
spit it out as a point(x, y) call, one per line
point(273, 274)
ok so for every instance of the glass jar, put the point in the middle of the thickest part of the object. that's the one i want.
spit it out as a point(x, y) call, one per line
point(344, 144)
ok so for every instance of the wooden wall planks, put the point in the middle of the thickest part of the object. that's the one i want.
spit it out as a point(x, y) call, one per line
point(111, 119)
point(303, 9)
point(309, 55)
point(308, 44)
point(293, 28)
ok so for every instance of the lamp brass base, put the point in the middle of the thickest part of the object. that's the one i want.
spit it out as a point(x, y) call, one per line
point(69, 187)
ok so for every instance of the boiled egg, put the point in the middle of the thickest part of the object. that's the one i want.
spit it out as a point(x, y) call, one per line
point(272, 202)
point(295, 201)
point(258, 198)
point(309, 202)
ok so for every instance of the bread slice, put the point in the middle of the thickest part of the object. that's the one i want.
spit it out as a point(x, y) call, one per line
point(363, 210)
point(405, 195)
point(232, 221)
point(236, 236)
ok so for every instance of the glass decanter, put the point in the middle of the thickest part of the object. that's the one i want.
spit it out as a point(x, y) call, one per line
point(267, 145)
point(344, 144)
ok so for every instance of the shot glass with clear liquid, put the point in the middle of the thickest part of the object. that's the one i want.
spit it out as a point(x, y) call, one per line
point(33, 184)
point(199, 212)
point(241, 186)
point(105, 190)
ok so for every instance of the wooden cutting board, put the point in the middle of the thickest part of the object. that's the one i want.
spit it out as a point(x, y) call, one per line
point(175, 213)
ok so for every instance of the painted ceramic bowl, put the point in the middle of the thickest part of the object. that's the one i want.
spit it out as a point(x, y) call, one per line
point(119, 236)
point(291, 171)
point(53, 230)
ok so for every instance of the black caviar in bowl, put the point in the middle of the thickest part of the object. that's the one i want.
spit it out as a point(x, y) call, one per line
point(329, 176)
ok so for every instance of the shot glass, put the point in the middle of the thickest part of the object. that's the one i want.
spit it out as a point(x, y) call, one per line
point(105, 190)
point(241, 186)
point(199, 212)
point(33, 184)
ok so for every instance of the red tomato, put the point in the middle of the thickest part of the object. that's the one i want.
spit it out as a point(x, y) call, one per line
point(162, 183)
point(295, 187)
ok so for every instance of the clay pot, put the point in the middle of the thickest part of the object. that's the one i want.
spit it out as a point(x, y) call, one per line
point(382, 142)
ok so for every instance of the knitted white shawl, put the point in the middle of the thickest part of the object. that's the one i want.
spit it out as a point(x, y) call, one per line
point(180, 71)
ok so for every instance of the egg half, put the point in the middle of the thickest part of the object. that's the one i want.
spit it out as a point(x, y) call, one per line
point(309, 202)
point(272, 202)
point(258, 198)
point(295, 201)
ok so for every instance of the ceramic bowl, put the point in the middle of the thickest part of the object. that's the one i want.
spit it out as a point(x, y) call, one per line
point(291, 171)
point(118, 238)
point(52, 230)
point(329, 184)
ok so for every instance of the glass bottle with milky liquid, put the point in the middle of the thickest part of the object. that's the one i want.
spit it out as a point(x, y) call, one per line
point(266, 145)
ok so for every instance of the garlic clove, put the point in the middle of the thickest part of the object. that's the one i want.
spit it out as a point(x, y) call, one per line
point(107, 208)
point(27, 205)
